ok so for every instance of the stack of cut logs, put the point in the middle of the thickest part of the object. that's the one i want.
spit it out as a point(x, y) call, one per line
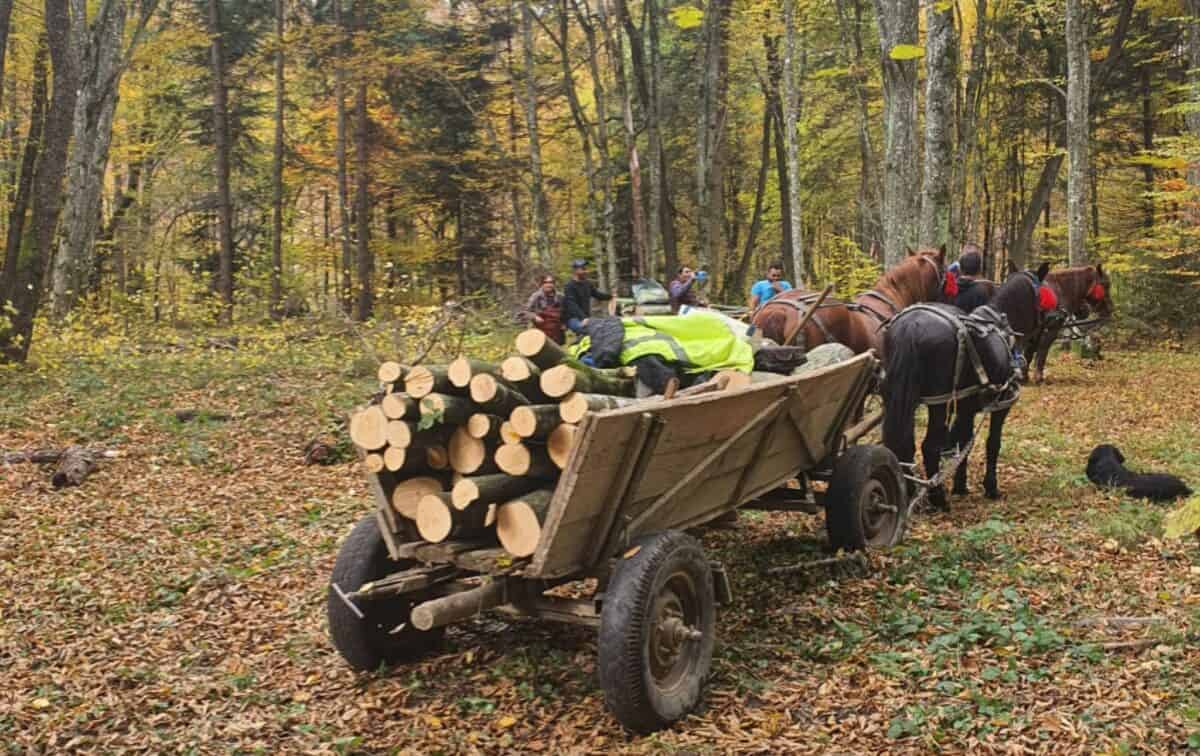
point(475, 447)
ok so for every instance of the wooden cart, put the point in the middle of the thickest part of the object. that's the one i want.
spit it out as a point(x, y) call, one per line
point(636, 479)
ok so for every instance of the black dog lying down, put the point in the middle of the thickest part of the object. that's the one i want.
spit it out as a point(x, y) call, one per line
point(1105, 468)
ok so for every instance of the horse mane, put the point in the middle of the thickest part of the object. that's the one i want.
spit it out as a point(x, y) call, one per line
point(901, 280)
point(1073, 284)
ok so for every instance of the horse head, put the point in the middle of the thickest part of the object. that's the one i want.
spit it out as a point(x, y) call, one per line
point(922, 275)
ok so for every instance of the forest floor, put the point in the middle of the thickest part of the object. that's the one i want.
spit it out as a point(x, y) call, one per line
point(175, 601)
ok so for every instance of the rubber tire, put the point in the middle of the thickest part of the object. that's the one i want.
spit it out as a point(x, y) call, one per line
point(367, 643)
point(852, 472)
point(630, 691)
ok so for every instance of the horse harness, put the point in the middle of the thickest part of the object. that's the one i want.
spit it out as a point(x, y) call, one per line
point(801, 305)
point(984, 322)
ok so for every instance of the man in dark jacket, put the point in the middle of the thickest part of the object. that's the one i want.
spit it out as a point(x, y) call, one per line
point(578, 296)
point(972, 292)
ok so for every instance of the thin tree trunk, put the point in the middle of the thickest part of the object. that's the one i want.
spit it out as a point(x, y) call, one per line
point(1192, 118)
point(1078, 63)
point(608, 262)
point(790, 101)
point(1147, 146)
point(666, 207)
point(221, 148)
point(362, 205)
point(941, 52)
point(343, 179)
point(737, 285)
point(897, 21)
point(277, 173)
point(641, 82)
point(541, 223)
point(33, 139)
point(773, 88)
point(6, 7)
point(869, 199)
point(711, 125)
point(967, 125)
point(616, 54)
point(1019, 253)
point(21, 284)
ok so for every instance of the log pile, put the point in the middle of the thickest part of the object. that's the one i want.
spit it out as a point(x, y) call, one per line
point(474, 449)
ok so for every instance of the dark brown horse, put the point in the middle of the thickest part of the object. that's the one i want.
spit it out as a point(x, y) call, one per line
point(1081, 291)
point(918, 278)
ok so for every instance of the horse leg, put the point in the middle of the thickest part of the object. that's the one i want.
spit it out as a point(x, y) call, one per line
point(960, 436)
point(1047, 341)
point(931, 450)
point(995, 431)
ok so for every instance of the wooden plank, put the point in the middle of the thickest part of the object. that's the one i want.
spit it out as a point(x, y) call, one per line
point(389, 538)
point(697, 472)
point(632, 464)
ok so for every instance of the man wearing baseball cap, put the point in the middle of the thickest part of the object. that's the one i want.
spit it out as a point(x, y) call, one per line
point(577, 298)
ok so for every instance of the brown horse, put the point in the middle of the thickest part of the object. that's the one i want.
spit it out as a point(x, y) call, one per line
point(1080, 291)
point(918, 278)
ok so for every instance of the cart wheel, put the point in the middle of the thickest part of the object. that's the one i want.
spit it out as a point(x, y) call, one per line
point(865, 505)
point(367, 643)
point(657, 631)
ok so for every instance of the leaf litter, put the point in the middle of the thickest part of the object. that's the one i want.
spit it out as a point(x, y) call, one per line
point(175, 601)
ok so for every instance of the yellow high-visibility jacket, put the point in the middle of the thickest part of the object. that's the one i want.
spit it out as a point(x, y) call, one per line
point(701, 342)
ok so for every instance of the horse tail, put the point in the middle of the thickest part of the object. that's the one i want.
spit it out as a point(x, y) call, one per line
point(902, 384)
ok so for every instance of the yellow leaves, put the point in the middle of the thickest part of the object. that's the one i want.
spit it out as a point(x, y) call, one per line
point(506, 722)
point(906, 52)
point(687, 16)
point(40, 703)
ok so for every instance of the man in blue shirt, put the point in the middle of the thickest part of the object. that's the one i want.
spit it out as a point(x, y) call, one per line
point(768, 287)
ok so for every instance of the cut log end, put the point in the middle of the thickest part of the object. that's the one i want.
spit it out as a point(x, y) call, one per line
point(368, 428)
point(407, 494)
point(434, 519)
point(467, 453)
point(390, 372)
point(394, 458)
point(397, 405)
point(373, 462)
point(519, 523)
point(517, 369)
point(419, 382)
point(561, 441)
point(483, 388)
point(514, 459)
point(558, 381)
point(399, 434)
point(481, 425)
point(508, 434)
point(465, 491)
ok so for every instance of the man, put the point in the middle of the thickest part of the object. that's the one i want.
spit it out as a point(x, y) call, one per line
point(773, 284)
point(578, 296)
point(683, 290)
point(544, 309)
point(971, 293)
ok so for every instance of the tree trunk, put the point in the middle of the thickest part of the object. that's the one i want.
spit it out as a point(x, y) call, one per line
point(666, 208)
point(1193, 115)
point(1078, 63)
point(1147, 147)
point(616, 54)
point(277, 173)
point(221, 147)
point(21, 284)
point(6, 7)
point(98, 57)
point(343, 180)
point(790, 101)
point(20, 203)
point(607, 263)
point(711, 125)
point(941, 53)
point(737, 281)
point(641, 86)
point(1019, 253)
point(869, 189)
point(541, 223)
point(967, 129)
point(898, 26)
point(362, 205)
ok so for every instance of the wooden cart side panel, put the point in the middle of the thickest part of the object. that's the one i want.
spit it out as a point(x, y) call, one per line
point(692, 428)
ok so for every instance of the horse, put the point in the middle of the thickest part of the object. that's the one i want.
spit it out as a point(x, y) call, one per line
point(1079, 290)
point(920, 277)
point(955, 363)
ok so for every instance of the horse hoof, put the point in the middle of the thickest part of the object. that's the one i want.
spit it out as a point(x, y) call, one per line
point(961, 491)
point(938, 501)
point(993, 494)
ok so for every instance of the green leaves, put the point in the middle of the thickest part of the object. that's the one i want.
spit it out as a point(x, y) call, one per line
point(687, 16)
point(906, 52)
